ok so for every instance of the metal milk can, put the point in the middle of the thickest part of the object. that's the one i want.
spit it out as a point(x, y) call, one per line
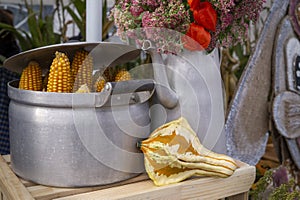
point(189, 84)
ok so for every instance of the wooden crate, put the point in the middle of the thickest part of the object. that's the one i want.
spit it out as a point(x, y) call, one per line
point(234, 187)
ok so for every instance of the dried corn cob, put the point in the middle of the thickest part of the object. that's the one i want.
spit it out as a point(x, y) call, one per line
point(99, 84)
point(31, 78)
point(109, 74)
point(77, 61)
point(60, 74)
point(122, 75)
point(82, 69)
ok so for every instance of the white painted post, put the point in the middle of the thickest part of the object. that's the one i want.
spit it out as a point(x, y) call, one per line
point(93, 20)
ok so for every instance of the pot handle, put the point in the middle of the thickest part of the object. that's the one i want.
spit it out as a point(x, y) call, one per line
point(124, 87)
point(131, 86)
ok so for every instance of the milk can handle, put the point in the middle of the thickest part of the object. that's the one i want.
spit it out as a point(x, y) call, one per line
point(165, 94)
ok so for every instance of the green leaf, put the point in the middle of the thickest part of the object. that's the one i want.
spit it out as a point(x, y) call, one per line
point(239, 50)
point(80, 5)
point(261, 185)
point(104, 11)
point(34, 27)
point(52, 38)
point(285, 191)
point(41, 10)
point(78, 20)
point(24, 41)
point(78, 14)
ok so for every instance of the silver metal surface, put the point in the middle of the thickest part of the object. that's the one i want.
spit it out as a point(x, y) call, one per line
point(104, 54)
point(75, 140)
point(189, 85)
point(63, 145)
point(248, 118)
point(166, 95)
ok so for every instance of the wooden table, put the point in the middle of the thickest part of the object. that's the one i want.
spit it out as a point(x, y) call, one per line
point(235, 187)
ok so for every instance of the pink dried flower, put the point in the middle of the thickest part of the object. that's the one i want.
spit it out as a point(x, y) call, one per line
point(233, 19)
point(136, 8)
point(152, 3)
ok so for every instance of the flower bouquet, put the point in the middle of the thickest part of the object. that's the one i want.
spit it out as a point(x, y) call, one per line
point(181, 32)
point(211, 23)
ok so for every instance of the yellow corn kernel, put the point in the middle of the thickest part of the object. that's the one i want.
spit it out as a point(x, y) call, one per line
point(31, 78)
point(109, 74)
point(60, 74)
point(122, 75)
point(99, 84)
point(82, 69)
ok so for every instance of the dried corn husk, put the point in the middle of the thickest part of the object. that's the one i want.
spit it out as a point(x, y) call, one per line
point(174, 153)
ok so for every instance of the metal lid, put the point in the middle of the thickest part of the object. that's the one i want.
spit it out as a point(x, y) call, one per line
point(104, 54)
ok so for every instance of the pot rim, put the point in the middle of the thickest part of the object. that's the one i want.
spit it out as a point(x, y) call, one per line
point(114, 94)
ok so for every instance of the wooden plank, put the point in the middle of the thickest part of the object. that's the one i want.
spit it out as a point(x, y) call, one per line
point(141, 190)
point(216, 188)
point(136, 188)
point(41, 192)
point(27, 183)
point(270, 154)
point(195, 188)
point(1, 195)
point(10, 184)
point(6, 158)
point(242, 196)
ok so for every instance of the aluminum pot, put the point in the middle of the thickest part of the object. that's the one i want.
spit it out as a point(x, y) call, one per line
point(75, 140)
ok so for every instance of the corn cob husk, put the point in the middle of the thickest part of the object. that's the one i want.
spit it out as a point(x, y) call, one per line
point(174, 153)
point(83, 89)
point(60, 74)
point(82, 69)
point(31, 78)
point(122, 75)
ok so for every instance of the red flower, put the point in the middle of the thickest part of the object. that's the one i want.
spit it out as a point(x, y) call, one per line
point(199, 34)
point(206, 16)
point(194, 4)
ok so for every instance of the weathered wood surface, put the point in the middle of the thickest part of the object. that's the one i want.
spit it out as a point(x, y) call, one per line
point(247, 122)
point(236, 186)
point(285, 121)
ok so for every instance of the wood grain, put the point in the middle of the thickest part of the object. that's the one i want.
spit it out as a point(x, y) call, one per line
point(140, 187)
point(203, 188)
point(10, 184)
